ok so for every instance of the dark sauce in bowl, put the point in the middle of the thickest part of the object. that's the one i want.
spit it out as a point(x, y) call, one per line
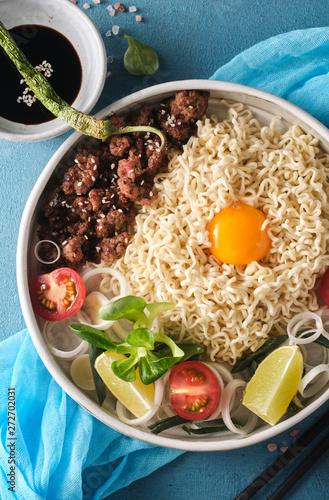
point(56, 58)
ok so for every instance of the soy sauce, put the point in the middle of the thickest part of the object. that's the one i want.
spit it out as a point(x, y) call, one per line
point(40, 44)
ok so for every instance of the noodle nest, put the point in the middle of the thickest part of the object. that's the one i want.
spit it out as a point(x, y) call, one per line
point(232, 309)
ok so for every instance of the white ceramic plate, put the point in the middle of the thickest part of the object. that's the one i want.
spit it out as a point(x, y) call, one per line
point(264, 106)
point(70, 20)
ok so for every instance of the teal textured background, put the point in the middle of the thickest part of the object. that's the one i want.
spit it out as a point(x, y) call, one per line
point(193, 38)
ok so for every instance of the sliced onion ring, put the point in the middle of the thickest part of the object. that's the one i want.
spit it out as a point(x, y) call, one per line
point(228, 392)
point(37, 249)
point(88, 273)
point(316, 386)
point(81, 373)
point(299, 321)
point(68, 355)
point(121, 409)
point(83, 317)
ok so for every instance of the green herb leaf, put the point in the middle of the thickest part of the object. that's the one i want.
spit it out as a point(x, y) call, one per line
point(140, 59)
point(166, 423)
point(95, 337)
point(141, 337)
point(157, 308)
point(129, 307)
point(151, 370)
point(126, 368)
point(190, 351)
point(177, 352)
point(269, 346)
point(94, 352)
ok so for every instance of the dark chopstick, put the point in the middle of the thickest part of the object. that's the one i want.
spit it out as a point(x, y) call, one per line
point(299, 445)
point(303, 467)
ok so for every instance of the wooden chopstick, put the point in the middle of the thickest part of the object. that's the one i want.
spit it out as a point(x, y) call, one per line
point(299, 445)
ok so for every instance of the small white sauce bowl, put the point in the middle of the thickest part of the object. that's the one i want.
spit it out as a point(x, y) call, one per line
point(72, 22)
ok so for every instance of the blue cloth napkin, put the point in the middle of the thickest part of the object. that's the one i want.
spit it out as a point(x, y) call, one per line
point(60, 450)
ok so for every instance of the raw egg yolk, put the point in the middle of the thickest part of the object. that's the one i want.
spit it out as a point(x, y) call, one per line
point(238, 236)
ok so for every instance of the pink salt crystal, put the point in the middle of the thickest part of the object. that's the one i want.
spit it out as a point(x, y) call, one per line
point(283, 449)
point(97, 1)
point(294, 432)
point(271, 446)
point(138, 18)
point(109, 73)
point(86, 6)
point(117, 5)
point(112, 12)
point(74, 1)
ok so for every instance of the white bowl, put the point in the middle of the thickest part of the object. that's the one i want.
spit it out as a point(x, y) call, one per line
point(264, 106)
point(72, 22)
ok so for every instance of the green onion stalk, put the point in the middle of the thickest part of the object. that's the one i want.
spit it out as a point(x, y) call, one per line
point(82, 122)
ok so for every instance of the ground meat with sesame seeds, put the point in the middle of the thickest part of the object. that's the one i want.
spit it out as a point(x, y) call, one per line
point(189, 105)
point(72, 249)
point(82, 176)
point(89, 211)
point(119, 144)
point(113, 248)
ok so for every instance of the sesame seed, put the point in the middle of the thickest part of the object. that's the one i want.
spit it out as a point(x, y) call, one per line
point(93, 178)
point(85, 236)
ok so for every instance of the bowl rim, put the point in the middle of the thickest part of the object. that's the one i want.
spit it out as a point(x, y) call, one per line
point(22, 265)
point(56, 126)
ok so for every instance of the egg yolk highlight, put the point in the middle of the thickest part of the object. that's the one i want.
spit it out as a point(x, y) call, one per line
point(238, 236)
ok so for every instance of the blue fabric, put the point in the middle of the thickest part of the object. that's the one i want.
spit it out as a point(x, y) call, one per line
point(61, 451)
point(56, 439)
point(293, 65)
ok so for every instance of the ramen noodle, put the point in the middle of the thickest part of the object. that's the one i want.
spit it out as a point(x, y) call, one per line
point(232, 309)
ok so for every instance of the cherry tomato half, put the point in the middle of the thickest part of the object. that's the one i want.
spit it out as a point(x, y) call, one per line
point(194, 390)
point(324, 287)
point(57, 295)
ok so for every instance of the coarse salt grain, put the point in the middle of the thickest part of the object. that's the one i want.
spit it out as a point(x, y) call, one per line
point(112, 12)
point(138, 18)
point(109, 7)
point(108, 33)
point(115, 29)
point(132, 8)
point(86, 6)
point(271, 446)
point(110, 59)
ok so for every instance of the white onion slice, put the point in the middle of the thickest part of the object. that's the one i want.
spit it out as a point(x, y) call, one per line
point(88, 314)
point(228, 393)
point(88, 273)
point(37, 249)
point(122, 410)
point(299, 321)
point(81, 373)
point(59, 353)
point(316, 386)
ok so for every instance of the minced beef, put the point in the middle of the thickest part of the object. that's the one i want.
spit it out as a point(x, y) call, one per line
point(88, 212)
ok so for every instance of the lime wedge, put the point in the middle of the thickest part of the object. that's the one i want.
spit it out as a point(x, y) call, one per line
point(274, 383)
point(135, 396)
